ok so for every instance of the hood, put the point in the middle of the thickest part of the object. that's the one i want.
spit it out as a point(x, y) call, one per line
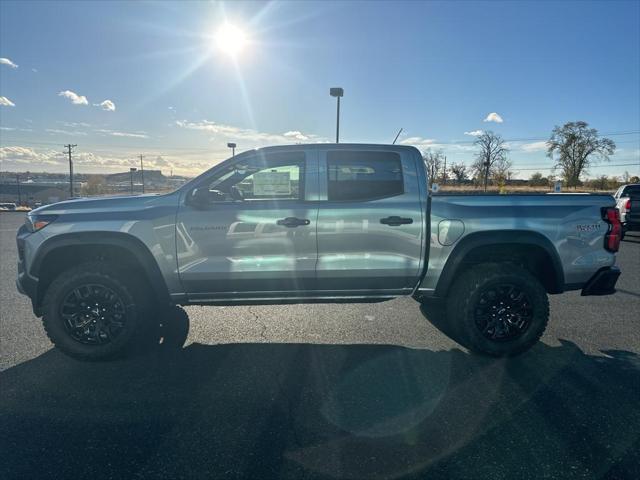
point(102, 204)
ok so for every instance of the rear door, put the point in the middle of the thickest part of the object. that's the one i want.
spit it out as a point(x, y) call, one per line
point(370, 222)
point(256, 237)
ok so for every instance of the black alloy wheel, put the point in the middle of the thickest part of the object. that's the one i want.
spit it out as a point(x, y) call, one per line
point(503, 312)
point(93, 314)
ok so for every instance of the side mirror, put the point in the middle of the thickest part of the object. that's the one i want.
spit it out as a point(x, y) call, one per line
point(202, 197)
point(199, 197)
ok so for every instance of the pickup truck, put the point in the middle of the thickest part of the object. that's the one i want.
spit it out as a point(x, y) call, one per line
point(628, 202)
point(313, 223)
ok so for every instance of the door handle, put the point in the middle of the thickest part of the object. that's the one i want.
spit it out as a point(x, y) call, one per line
point(395, 221)
point(292, 222)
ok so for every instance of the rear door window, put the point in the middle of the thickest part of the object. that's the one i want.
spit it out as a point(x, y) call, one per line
point(354, 176)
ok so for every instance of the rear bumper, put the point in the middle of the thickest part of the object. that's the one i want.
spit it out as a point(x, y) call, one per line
point(603, 282)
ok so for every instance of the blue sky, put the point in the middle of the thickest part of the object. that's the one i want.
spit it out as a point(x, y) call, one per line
point(437, 69)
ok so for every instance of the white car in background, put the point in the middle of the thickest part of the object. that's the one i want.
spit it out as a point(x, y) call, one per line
point(628, 202)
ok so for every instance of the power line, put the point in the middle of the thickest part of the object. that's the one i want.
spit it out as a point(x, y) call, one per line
point(592, 166)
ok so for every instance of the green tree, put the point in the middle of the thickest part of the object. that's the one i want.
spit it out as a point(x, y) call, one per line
point(578, 147)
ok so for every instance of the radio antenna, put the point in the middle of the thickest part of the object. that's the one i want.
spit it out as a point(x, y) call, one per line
point(394, 140)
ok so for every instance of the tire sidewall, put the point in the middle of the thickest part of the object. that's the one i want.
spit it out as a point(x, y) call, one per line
point(54, 323)
point(539, 303)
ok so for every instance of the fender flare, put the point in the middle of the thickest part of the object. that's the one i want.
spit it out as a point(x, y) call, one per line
point(499, 237)
point(112, 239)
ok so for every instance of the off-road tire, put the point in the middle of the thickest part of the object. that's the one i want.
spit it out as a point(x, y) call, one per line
point(464, 298)
point(97, 273)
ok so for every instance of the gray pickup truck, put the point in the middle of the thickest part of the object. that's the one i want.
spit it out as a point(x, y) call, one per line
point(313, 223)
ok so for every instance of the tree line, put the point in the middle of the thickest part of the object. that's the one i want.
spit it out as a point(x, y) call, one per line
point(572, 148)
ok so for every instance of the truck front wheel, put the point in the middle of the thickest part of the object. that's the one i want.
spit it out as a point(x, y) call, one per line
point(498, 309)
point(90, 312)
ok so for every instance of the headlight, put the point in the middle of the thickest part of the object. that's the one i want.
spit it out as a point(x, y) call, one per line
point(38, 222)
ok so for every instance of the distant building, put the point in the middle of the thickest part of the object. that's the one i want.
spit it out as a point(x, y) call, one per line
point(30, 193)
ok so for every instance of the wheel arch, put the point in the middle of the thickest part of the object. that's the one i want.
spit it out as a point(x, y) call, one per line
point(531, 249)
point(62, 251)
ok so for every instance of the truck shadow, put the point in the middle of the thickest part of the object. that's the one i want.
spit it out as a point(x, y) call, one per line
point(321, 411)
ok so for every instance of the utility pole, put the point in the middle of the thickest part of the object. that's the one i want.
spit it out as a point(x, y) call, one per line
point(142, 173)
point(132, 170)
point(19, 193)
point(70, 148)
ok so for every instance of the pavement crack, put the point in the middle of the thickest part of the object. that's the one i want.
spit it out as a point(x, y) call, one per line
point(260, 322)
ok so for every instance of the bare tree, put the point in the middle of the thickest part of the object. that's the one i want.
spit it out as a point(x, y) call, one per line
point(578, 147)
point(502, 171)
point(537, 180)
point(95, 185)
point(433, 161)
point(492, 150)
point(458, 171)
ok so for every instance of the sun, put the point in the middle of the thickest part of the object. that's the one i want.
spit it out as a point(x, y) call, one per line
point(230, 39)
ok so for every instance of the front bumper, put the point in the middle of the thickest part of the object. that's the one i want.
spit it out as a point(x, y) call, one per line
point(603, 282)
point(25, 283)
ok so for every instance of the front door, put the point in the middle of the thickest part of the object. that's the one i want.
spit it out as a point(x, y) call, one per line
point(254, 236)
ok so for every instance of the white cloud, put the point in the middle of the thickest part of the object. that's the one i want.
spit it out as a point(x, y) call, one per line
point(75, 124)
point(64, 132)
point(493, 117)
point(296, 135)
point(474, 133)
point(418, 142)
point(249, 136)
point(107, 105)
point(534, 147)
point(27, 158)
point(6, 61)
point(74, 97)
point(5, 102)
point(115, 133)
point(29, 155)
point(15, 129)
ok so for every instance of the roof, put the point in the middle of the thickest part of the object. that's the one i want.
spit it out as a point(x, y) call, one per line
point(336, 146)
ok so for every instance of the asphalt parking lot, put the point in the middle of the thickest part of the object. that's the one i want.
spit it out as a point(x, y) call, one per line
point(326, 391)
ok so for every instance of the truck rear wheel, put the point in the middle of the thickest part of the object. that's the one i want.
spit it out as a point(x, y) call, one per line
point(90, 313)
point(498, 309)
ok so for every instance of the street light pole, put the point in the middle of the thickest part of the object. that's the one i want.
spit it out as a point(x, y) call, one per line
point(19, 193)
point(142, 173)
point(232, 146)
point(338, 93)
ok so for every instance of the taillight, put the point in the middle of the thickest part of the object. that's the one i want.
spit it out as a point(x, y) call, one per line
point(611, 215)
point(627, 205)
